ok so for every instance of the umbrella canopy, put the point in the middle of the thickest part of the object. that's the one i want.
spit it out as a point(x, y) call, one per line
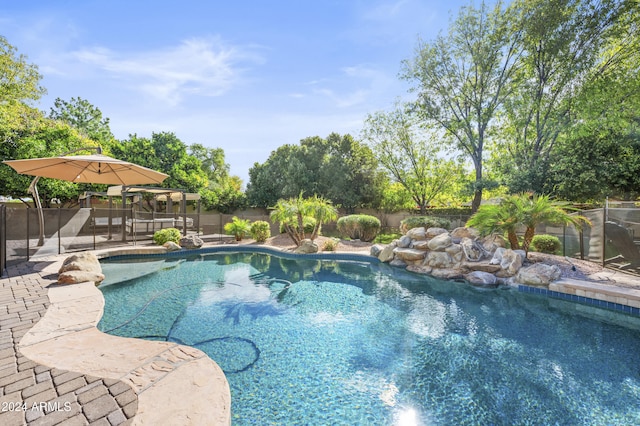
point(95, 168)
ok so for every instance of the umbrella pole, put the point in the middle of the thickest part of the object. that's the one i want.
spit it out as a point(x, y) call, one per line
point(33, 189)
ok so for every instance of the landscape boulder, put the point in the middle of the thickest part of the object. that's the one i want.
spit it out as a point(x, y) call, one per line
point(481, 279)
point(191, 242)
point(171, 246)
point(538, 274)
point(306, 247)
point(80, 268)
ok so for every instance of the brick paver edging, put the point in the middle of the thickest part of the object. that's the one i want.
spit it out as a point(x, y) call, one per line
point(33, 394)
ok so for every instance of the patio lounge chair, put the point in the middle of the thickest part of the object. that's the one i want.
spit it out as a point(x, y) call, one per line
point(629, 257)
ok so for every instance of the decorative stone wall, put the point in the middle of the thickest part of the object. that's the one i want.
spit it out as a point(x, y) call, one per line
point(463, 254)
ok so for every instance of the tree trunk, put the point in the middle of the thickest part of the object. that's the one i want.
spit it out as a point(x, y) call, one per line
point(477, 199)
point(513, 240)
point(528, 237)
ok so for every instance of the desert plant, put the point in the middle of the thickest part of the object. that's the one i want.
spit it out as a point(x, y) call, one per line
point(239, 228)
point(168, 234)
point(359, 227)
point(291, 214)
point(526, 210)
point(546, 244)
point(260, 231)
point(424, 222)
point(330, 245)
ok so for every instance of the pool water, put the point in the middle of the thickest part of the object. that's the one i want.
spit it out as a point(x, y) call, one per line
point(346, 342)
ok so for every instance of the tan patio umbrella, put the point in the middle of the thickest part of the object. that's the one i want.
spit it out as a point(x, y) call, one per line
point(96, 168)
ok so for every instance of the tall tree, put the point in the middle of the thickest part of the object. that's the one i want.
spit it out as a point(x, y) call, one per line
point(82, 115)
point(463, 78)
point(338, 168)
point(19, 80)
point(166, 153)
point(224, 192)
point(562, 41)
point(410, 156)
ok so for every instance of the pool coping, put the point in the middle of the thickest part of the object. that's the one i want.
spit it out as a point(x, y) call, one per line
point(172, 382)
point(163, 373)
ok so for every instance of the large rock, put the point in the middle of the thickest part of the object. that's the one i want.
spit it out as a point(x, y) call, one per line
point(191, 242)
point(434, 232)
point(464, 232)
point(404, 241)
point(417, 233)
point(420, 245)
point(493, 242)
point(511, 262)
point(398, 263)
point(483, 266)
point(472, 251)
point(386, 255)
point(419, 269)
point(75, 277)
point(538, 274)
point(440, 260)
point(482, 279)
point(85, 261)
point(408, 254)
point(306, 247)
point(439, 242)
point(376, 249)
point(455, 251)
point(171, 246)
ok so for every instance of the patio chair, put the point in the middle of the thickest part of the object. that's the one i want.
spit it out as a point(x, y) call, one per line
point(618, 236)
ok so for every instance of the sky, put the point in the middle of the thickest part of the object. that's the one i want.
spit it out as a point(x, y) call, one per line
point(245, 76)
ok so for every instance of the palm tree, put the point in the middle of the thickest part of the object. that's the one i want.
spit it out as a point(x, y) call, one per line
point(528, 210)
point(539, 209)
point(292, 214)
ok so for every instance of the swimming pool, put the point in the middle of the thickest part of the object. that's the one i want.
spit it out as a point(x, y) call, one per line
point(353, 342)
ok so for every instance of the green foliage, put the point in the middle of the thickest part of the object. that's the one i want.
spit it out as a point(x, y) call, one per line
point(260, 231)
point(359, 227)
point(523, 210)
point(168, 234)
point(239, 228)
point(336, 168)
point(546, 244)
point(308, 225)
point(386, 237)
point(83, 116)
point(411, 156)
point(330, 245)
point(291, 214)
point(19, 80)
point(425, 222)
point(462, 78)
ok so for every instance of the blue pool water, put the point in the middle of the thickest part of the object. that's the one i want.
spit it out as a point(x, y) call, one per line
point(345, 342)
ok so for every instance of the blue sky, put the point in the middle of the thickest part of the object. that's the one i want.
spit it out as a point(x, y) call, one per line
point(246, 76)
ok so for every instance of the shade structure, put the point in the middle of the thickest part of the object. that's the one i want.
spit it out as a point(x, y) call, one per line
point(94, 168)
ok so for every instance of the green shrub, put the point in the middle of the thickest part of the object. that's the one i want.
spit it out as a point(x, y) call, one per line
point(424, 222)
point(238, 228)
point(386, 238)
point(168, 234)
point(260, 231)
point(359, 227)
point(330, 245)
point(546, 244)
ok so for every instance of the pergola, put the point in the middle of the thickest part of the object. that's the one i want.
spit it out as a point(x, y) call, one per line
point(170, 195)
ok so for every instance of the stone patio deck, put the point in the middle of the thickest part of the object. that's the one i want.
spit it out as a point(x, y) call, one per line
point(57, 368)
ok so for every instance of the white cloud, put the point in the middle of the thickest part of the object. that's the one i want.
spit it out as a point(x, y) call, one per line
point(203, 67)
